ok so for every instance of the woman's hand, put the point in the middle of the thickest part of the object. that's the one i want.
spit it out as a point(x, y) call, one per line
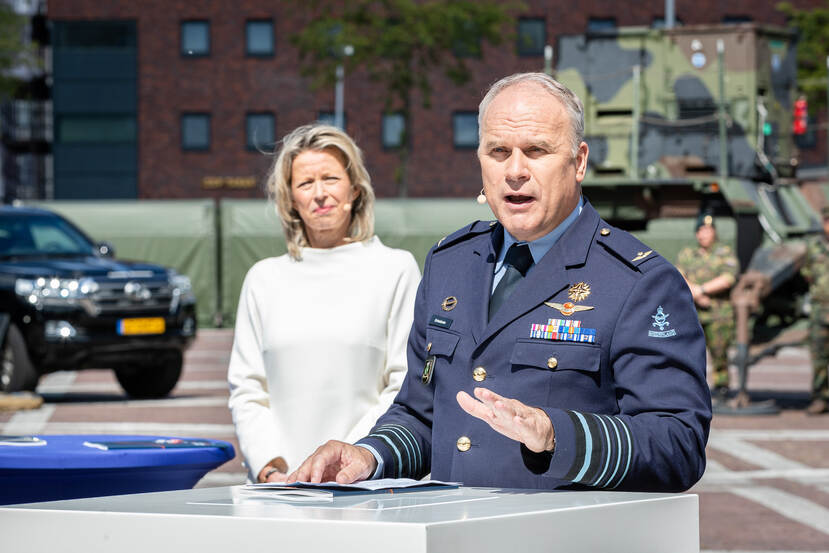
point(275, 471)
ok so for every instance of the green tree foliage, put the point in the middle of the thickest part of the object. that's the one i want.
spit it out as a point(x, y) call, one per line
point(812, 49)
point(400, 44)
point(14, 51)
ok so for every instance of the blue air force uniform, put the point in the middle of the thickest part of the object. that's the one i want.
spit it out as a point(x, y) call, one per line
point(602, 335)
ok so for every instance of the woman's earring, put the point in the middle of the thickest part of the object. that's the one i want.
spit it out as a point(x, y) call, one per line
point(481, 197)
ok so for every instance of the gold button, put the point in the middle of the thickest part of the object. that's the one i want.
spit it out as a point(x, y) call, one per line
point(429, 346)
point(605, 231)
point(479, 374)
point(552, 363)
point(464, 443)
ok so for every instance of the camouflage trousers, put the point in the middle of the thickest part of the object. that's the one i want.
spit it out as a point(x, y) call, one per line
point(719, 334)
point(819, 350)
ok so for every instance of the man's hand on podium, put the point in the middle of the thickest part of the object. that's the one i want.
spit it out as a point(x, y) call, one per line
point(336, 461)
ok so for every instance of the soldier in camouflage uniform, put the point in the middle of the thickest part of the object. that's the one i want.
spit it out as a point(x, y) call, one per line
point(816, 271)
point(710, 271)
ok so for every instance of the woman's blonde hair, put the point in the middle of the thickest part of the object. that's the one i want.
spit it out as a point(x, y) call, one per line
point(320, 137)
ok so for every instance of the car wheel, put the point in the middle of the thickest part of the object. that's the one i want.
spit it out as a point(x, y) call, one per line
point(153, 381)
point(17, 373)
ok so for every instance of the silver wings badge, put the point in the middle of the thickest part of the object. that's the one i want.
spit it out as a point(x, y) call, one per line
point(568, 308)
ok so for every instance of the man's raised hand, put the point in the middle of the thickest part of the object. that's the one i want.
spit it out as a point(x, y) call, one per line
point(529, 425)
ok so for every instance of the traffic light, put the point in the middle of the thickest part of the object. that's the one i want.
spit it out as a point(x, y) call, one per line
point(801, 116)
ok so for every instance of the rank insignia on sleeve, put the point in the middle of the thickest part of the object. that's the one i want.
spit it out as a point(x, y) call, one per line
point(660, 320)
point(568, 308)
point(563, 330)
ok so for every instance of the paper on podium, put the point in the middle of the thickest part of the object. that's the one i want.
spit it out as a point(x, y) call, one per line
point(21, 440)
point(327, 491)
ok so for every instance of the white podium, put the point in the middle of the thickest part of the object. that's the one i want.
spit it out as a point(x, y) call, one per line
point(474, 520)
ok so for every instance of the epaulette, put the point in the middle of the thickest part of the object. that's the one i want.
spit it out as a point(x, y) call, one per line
point(469, 231)
point(626, 247)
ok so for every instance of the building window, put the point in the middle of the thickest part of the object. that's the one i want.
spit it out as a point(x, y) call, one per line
point(465, 129)
point(259, 38)
point(95, 34)
point(595, 24)
point(330, 118)
point(195, 131)
point(96, 129)
point(734, 19)
point(468, 44)
point(394, 130)
point(659, 22)
point(27, 120)
point(195, 38)
point(532, 36)
point(259, 129)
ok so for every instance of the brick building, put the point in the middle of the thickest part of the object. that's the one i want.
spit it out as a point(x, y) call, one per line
point(174, 98)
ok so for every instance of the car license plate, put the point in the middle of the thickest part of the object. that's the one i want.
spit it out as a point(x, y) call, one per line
point(145, 325)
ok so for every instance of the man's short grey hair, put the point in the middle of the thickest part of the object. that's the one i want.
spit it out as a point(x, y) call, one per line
point(568, 99)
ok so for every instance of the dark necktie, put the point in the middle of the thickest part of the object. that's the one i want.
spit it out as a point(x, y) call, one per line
point(517, 261)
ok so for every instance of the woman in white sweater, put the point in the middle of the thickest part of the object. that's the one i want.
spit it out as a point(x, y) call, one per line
point(319, 349)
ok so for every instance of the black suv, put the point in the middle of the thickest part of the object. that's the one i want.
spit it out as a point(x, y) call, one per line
point(67, 304)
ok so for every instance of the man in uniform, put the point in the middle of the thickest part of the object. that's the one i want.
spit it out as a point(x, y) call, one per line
point(816, 271)
point(549, 350)
point(710, 271)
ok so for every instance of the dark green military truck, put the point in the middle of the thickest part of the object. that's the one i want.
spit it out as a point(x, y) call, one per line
point(701, 116)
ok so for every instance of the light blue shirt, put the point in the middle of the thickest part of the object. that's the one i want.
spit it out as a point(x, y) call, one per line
point(538, 248)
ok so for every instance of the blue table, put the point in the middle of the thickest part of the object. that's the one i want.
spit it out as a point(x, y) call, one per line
point(65, 468)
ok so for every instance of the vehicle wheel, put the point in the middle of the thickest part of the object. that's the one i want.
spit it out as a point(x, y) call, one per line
point(17, 373)
point(153, 381)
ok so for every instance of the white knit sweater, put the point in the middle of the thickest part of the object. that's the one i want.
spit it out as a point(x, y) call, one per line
point(319, 350)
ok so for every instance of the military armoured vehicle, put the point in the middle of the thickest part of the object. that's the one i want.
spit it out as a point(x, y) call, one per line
point(699, 116)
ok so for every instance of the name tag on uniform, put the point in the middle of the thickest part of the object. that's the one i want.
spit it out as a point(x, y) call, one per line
point(442, 322)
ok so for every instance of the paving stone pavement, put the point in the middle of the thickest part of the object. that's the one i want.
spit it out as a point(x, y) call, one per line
point(766, 488)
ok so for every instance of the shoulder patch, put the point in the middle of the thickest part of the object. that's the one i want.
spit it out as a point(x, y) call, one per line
point(460, 235)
